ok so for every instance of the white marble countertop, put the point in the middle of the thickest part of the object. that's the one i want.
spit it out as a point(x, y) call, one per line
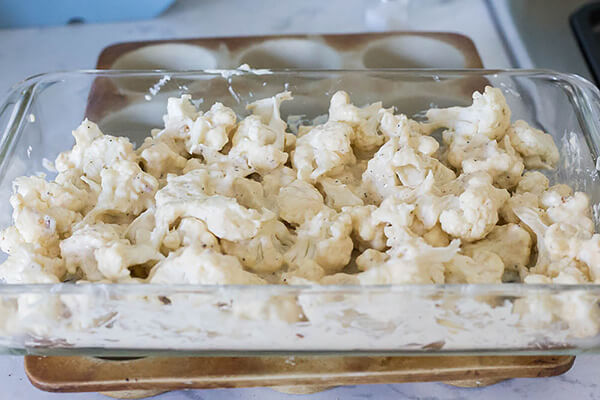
point(25, 52)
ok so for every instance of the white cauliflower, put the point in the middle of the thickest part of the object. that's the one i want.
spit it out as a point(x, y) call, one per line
point(473, 214)
point(159, 159)
point(574, 210)
point(410, 133)
point(189, 232)
point(478, 153)
point(422, 266)
point(338, 194)
point(305, 271)
point(210, 130)
point(500, 239)
point(44, 212)
point(481, 267)
point(325, 150)
point(298, 202)
point(489, 116)
point(198, 266)
point(536, 147)
point(370, 258)
point(93, 151)
point(265, 251)
point(190, 195)
point(125, 189)
point(533, 182)
point(325, 238)
point(380, 179)
point(260, 138)
point(412, 168)
point(100, 252)
point(366, 230)
point(364, 121)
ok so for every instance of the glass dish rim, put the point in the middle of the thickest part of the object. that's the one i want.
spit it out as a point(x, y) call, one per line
point(147, 288)
point(230, 72)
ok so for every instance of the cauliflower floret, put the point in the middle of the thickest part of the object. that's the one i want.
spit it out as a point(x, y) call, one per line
point(481, 267)
point(473, 214)
point(260, 138)
point(190, 195)
point(366, 230)
point(44, 212)
point(422, 264)
point(555, 196)
point(276, 179)
point(574, 210)
point(410, 133)
point(412, 168)
point(507, 211)
point(268, 111)
point(225, 217)
point(198, 266)
point(489, 116)
point(193, 131)
point(210, 130)
point(436, 237)
point(589, 253)
point(325, 238)
point(258, 144)
point(93, 151)
point(125, 189)
point(536, 147)
point(140, 229)
point(399, 271)
point(305, 271)
point(338, 194)
point(190, 231)
point(159, 159)
point(27, 267)
point(370, 258)
point(298, 202)
point(533, 182)
point(100, 253)
point(325, 150)
point(180, 112)
point(27, 262)
point(265, 251)
point(499, 240)
point(478, 153)
point(364, 121)
point(380, 179)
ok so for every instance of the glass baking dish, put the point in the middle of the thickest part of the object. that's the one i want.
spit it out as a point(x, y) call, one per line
point(135, 320)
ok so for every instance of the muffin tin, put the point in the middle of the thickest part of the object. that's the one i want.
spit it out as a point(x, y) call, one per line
point(345, 51)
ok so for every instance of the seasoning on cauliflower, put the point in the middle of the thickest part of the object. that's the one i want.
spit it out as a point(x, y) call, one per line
point(324, 150)
point(536, 147)
point(298, 202)
point(265, 251)
point(325, 238)
point(364, 121)
point(500, 239)
point(93, 151)
point(489, 116)
point(260, 138)
point(198, 266)
point(479, 153)
point(481, 267)
point(473, 214)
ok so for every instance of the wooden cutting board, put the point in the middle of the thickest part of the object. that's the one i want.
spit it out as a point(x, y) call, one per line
point(306, 374)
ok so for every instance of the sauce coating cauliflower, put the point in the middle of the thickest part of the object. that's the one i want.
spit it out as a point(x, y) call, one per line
point(366, 197)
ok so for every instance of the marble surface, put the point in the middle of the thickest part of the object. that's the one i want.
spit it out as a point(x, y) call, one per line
point(29, 51)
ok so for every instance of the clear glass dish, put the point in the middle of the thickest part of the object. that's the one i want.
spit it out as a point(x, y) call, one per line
point(127, 320)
